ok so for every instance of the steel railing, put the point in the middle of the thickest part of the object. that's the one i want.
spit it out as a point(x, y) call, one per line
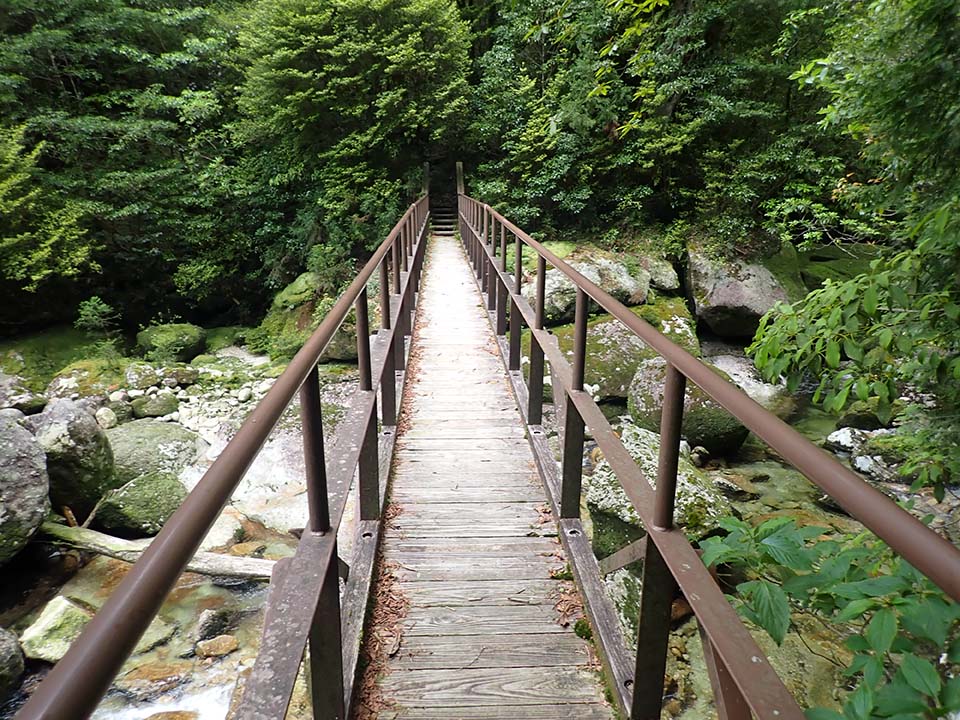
point(742, 677)
point(304, 601)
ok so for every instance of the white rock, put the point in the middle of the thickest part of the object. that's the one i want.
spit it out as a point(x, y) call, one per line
point(152, 390)
point(136, 393)
point(106, 418)
point(119, 396)
point(244, 394)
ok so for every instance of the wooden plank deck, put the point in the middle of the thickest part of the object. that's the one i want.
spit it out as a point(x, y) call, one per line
point(472, 549)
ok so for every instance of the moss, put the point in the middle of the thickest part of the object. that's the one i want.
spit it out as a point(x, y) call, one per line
point(582, 629)
point(671, 316)
point(301, 291)
point(611, 534)
point(40, 356)
point(785, 268)
point(895, 448)
point(154, 406)
point(142, 506)
point(564, 573)
point(219, 338)
point(560, 248)
point(94, 376)
point(176, 341)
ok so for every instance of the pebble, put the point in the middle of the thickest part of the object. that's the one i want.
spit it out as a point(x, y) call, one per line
point(218, 646)
point(119, 396)
point(244, 394)
point(152, 390)
point(134, 393)
point(106, 418)
point(170, 382)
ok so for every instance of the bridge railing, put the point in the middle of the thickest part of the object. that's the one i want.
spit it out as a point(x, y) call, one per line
point(304, 602)
point(742, 678)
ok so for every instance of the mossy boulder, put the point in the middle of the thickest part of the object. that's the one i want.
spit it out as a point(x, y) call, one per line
point(152, 447)
point(11, 664)
point(24, 488)
point(773, 396)
point(627, 284)
point(14, 393)
point(180, 342)
point(219, 338)
point(52, 634)
point(142, 506)
point(704, 421)
point(699, 504)
point(182, 375)
point(289, 321)
point(141, 375)
point(154, 405)
point(731, 295)
point(40, 356)
point(80, 461)
point(614, 352)
point(86, 378)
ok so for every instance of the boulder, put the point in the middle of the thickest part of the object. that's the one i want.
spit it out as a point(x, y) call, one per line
point(51, 634)
point(704, 421)
point(774, 397)
point(149, 446)
point(180, 342)
point(214, 622)
point(141, 376)
point(602, 269)
point(85, 378)
point(79, 457)
point(731, 295)
point(182, 375)
point(11, 664)
point(14, 393)
point(663, 275)
point(61, 622)
point(154, 406)
point(699, 502)
point(142, 506)
point(24, 487)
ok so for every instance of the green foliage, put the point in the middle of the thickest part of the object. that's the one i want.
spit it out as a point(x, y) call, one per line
point(896, 328)
point(96, 317)
point(340, 102)
point(892, 616)
point(39, 236)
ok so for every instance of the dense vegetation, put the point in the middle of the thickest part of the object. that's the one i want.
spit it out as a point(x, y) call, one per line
point(177, 159)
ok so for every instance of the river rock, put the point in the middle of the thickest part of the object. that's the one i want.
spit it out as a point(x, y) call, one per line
point(79, 457)
point(141, 376)
point(106, 418)
point(142, 506)
point(11, 663)
point(51, 634)
point(602, 269)
point(214, 622)
point(704, 421)
point(218, 646)
point(154, 406)
point(24, 487)
point(153, 447)
point(180, 342)
point(14, 393)
point(86, 378)
point(774, 397)
point(182, 375)
point(663, 275)
point(699, 503)
point(731, 295)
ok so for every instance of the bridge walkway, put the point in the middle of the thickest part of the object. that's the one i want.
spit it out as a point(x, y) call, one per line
point(470, 551)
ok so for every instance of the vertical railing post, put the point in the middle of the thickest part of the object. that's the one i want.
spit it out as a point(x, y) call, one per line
point(369, 465)
point(515, 322)
point(388, 381)
point(493, 281)
point(502, 293)
point(573, 435)
point(326, 652)
point(659, 586)
point(326, 649)
point(535, 383)
point(395, 263)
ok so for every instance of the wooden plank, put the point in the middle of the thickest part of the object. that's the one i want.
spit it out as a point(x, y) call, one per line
point(580, 711)
point(491, 686)
point(478, 494)
point(473, 548)
point(480, 569)
point(481, 620)
point(487, 592)
point(490, 651)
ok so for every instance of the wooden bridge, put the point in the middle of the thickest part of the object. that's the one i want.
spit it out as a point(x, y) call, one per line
point(472, 617)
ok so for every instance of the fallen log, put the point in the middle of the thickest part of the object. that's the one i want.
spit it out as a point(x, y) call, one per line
point(204, 563)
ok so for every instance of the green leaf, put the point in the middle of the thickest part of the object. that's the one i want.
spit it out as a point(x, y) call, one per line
point(855, 609)
point(885, 337)
point(822, 714)
point(860, 704)
point(881, 630)
point(852, 349)
point(921, 675)
point(870, 301)
point(898, 697)
point(786, 547)
point(833, 354)
point(951, 694)
point(769, 605)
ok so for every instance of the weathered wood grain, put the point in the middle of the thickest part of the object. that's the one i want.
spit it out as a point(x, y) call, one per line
point(472, 548)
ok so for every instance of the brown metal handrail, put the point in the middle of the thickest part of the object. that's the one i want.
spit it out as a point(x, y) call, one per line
point(742, 677)
point(75, 685)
